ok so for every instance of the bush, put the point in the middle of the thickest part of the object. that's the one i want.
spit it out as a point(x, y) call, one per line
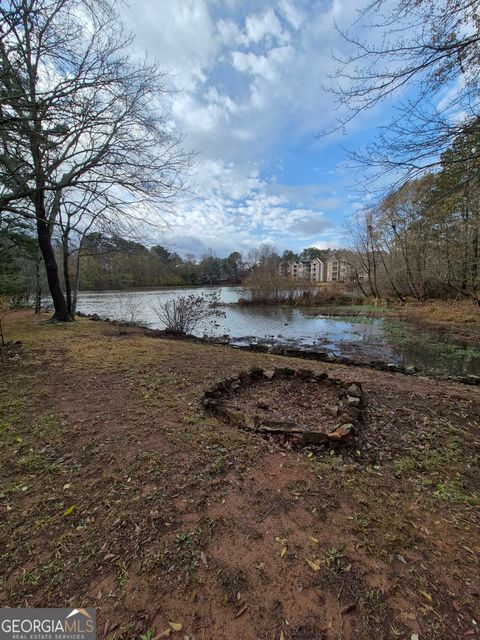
point(128, 311)
point(182, 314)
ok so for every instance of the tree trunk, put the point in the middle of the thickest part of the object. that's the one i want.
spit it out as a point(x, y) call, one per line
point(38, 286)
point(66, 273)
point(45, 242)
point(77, 282)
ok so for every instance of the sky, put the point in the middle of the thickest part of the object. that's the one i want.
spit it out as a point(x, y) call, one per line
point(250, 96)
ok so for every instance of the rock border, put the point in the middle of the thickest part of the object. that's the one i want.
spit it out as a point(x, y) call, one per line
point(349, 408)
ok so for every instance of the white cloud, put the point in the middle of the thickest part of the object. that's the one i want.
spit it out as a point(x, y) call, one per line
point(292, 14)
point(264, 26)
point(251, 81)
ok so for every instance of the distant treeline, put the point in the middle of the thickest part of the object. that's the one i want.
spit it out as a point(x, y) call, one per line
point(111, 262)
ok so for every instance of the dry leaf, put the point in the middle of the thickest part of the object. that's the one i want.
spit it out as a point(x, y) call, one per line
point(176, 626)
point(426, 595)
point(315, 540)
point(314, 565)
point(282, 636)
point(283, 552)
point(164, 634)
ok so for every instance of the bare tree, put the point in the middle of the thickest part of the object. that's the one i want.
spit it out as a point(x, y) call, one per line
point(426, 53)
point(76, 112)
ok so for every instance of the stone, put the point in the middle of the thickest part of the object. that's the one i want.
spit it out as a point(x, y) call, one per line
point(95, 317)
point(342, 433)
point(354, 390)
point(314, 437)
point(275, 349)
point(304, 374)
point(320, 377)
point(333, 411)
point(279, 426)
point(251, 422)
point(286, 371)
point(256, 372)
point(353, 413)
point(209, 403)
point(353, 401)
point(330, 357)
point(269, 374)
point(294, 352)
point(410, 370)
point(213, 393)
point(261, 348)
point(319, 355)
point(236, 417)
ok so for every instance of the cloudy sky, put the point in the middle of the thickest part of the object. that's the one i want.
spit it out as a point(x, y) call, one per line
point(251, 79)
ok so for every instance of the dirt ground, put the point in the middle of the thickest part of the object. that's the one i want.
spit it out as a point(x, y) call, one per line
point(304, 404)
point(120, 493)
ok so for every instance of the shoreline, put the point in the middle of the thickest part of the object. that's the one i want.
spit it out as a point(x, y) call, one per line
point(292, 352)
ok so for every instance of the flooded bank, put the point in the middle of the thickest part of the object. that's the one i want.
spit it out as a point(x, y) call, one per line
point(363, 337)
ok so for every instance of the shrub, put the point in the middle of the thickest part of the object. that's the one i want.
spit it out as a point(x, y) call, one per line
point(128, 311)
point(183, 313)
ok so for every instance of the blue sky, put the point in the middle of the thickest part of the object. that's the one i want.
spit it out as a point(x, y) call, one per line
point(250, 80)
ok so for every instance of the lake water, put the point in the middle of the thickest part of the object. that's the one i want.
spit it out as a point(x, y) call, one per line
point(360, 337)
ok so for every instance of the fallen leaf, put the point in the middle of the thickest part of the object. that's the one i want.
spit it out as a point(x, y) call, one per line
point(176, 626)
point(203, 558)
point(426, 595)
point(315, 540)
point(70, 510)
point(67, 486)
point(282, 636)
point(164, 634)
point(283, 551)
point(314, 565)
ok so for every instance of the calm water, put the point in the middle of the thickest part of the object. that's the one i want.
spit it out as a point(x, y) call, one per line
point(360, 337)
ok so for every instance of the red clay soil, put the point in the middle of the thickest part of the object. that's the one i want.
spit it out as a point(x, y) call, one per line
point(119, 492)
